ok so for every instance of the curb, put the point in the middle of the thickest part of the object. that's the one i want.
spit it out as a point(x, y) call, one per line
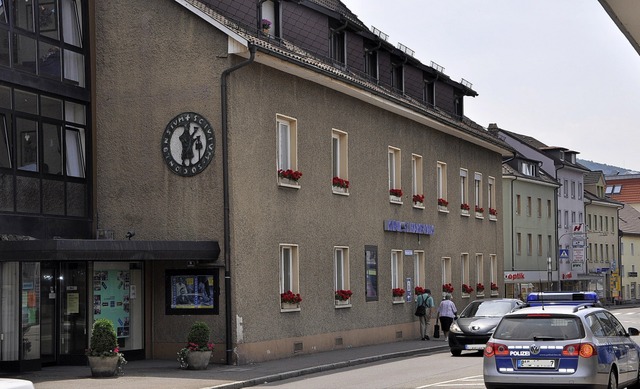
point(331, 366)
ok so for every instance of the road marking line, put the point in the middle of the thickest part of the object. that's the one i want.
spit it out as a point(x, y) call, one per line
point(475, 377)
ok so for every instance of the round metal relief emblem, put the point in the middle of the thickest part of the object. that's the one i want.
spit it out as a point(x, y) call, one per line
point(188, 144)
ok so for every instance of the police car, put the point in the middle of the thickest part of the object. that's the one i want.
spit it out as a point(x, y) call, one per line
point(561, 340)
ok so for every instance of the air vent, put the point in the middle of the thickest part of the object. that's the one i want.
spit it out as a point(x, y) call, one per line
point(297, 347)
point(338, 342)
point(398, 334)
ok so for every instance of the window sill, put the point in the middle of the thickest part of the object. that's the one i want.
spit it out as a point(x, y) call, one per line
point(493, 218)
point(494, 293)
point(480, 294)
point(443, 209)
point(285, 307)
point(464, 213)
point(479, 215)
point(286, 183)
point(418, 205)
point(395, 200)
point(465, 295)
point(343, 304)
point(398, 300)
point(340, 191)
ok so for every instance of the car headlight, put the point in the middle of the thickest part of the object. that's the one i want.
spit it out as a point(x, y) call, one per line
point(455, 328)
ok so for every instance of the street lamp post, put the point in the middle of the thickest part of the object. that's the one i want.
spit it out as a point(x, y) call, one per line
point(549, 271)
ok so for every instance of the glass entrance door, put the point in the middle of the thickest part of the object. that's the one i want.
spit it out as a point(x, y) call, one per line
point(63, 297)
point(48, 322)
point(73, 312)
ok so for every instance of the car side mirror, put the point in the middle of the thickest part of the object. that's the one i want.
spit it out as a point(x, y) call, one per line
point(633, 331)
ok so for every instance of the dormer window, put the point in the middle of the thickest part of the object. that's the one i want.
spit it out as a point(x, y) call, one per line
point(429, 93)
point(371, 62)
point(561, 155)
point(528, 168)
point(397, 76)
point(338, 45)
point(270, 10)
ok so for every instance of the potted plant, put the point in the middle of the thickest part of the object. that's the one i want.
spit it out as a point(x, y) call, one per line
point(493, 212)
point(494, 288)
point(447, 288)
point(265, 25)
point(479, 209)
point(464, 206)
point(395, 192)
point(442, 202)
point(466, 289)
point(420, 290)
point(291, 175)
point(480, 288)
point(290, 300)
point(398, 294)
point(197, 353)
point(105, 358)
point(340, 183)
point(343, 295)
point(418, 198)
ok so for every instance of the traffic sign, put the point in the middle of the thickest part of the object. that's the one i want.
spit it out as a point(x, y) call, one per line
point(564, 253)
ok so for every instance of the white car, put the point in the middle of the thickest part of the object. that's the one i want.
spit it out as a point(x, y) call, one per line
point(14, 383)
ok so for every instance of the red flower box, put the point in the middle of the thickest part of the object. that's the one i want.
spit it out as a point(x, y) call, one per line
point(289, 174)
point(397, 292)
point(395, 192)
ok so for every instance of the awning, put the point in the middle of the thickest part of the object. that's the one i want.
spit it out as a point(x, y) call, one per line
point(108, 250)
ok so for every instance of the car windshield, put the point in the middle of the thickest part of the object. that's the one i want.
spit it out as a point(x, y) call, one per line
point(487, 309)
point(539, 328)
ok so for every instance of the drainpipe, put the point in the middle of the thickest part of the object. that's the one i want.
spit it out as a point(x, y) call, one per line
point(558, 194)
point(225, 180)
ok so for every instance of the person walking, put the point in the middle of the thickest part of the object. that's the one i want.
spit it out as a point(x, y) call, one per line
point(447, 312)
point(425, 300)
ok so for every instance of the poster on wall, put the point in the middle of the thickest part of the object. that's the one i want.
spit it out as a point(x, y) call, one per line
point(111, 298)
point(192, 291)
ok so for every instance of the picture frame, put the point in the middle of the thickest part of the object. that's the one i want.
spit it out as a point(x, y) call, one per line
point(371, 272)
point(192, 291)
point(47, 16)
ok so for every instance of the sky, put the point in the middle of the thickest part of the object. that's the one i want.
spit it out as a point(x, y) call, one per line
point(558, 70)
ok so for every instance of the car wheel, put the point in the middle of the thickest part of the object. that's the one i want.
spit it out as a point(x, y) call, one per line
point(613, 380)
point(456, 352)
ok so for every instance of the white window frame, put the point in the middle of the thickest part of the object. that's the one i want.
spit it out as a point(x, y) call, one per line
point(341, 268)
point(480, 269)
point(287, 144)
point(397, 271)
point(339, 158)
point(446, 270)
point(394, 170)
point(477, 189)
point(464, 270)
point(491, 195)
point(289, 268)
point(493, 263)
point(417, 178)
point(464, 190)
point(419, 268)
point(441, 176)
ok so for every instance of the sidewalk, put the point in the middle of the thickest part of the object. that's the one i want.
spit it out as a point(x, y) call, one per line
point(159, 374)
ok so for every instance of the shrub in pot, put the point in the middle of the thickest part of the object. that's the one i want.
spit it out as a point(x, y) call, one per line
point(197, 354)
point(105, 358)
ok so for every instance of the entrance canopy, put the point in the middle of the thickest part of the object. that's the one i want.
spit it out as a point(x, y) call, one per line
point(108, 250)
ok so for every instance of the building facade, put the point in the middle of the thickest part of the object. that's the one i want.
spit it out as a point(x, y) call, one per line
point(629, 223)
point(235, 162)
point(529, 195)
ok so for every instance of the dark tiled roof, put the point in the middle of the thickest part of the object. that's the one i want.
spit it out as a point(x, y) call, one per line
point(339, 7)
point(507, 170)
point(592, 177)
point(288, 51)
point(629, 220)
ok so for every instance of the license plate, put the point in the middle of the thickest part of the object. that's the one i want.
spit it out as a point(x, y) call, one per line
point(474, 346)
point(536, 363)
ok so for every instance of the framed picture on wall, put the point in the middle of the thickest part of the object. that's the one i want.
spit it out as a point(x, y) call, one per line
point(371, 272)
point(192, 291)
